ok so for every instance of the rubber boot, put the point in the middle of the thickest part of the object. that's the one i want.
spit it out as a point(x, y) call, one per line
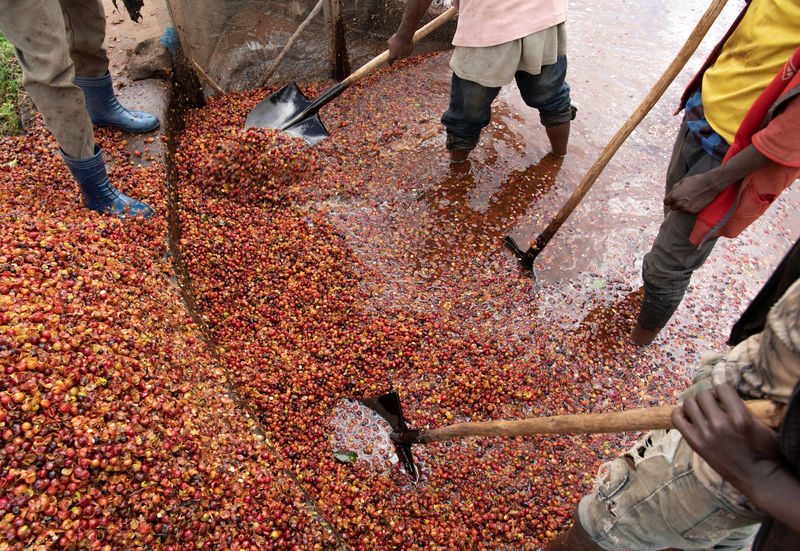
point(98, 191)
point(105, 110)
point(573, 539)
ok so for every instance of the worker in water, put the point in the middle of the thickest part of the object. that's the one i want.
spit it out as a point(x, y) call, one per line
point(737, 150)
point(59, 44)
point(496, 42)
point(723, 477)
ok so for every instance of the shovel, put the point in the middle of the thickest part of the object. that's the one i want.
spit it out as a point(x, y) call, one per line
point(388, 407)
point(527, 256)
point(290, 110)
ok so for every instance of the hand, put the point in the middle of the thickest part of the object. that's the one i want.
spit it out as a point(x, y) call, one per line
point(735, 443)
point(400, 46)
point(693, 193)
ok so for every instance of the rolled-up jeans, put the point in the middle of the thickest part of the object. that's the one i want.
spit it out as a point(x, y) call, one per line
point(471, 103)
point(668, 267)
point(651, 499)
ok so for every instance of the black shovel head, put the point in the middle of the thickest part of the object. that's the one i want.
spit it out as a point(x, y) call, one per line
point(388, 406)
point(525, 257)
point(279, 108)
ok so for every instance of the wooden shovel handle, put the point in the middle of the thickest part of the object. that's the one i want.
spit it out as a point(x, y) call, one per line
point(376, 62)
point(585, 423)
point(633, 121)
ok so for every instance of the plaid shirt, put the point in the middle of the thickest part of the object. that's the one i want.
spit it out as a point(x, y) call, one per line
point(713, 144)
point(766, 365)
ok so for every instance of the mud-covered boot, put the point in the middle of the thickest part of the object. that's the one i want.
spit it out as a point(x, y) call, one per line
point(98, 191)
point(105, 110)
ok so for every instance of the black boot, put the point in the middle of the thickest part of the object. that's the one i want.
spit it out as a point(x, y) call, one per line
point(98, 191)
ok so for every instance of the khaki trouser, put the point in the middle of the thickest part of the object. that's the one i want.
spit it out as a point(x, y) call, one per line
point(652, 498)
point(55, 40)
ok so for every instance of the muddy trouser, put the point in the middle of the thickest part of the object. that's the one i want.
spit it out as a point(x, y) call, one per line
point(470, 107)
point(651, 499)
point(668, 267)
point(54, 41)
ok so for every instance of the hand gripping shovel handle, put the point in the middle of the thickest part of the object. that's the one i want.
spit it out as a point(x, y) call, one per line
point(527, 257)
point(334, 91)
point(382, 58)
point(585, 423)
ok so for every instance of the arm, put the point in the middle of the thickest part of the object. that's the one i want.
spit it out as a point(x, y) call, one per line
point(401, 44)
point(695, 192)
point(742, 449)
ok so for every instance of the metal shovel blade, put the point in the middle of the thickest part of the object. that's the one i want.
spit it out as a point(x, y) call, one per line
point(279, 108)
point(524, 257)
point(388, 406)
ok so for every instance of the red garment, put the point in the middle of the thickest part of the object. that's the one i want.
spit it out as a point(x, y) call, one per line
point(741, 203)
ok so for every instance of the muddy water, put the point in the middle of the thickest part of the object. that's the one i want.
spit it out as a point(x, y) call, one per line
point(438, 241)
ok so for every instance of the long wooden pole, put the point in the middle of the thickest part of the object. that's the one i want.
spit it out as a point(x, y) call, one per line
point(208, 80)
point(271, 69)
point(619, 138)
point(585, 423)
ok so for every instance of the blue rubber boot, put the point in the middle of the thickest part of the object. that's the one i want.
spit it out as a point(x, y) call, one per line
point(98, 191)
point(105, 110)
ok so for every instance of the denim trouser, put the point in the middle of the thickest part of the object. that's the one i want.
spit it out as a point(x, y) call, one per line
point(650, 499)
point(470, 103)
point(668, 267)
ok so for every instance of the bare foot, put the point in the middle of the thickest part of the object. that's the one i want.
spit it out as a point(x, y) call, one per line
point(458, 156)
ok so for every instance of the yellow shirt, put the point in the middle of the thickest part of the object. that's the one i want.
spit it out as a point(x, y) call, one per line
point(766, 37)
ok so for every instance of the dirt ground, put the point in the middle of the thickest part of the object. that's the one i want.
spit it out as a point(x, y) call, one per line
point(151, 95)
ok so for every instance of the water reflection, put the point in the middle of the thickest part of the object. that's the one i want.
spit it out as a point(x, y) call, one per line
point(468, 217)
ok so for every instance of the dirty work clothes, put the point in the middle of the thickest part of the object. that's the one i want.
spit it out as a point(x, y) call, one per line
point(482, 23)
point(627, 507)
point(661, 494)
point(470, 103)
point(54, 41)
point(496, 65)
point(668, 267)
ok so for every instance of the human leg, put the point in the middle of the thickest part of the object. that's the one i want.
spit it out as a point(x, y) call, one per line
point(469, 112)
point(36, 30)
point(85, 27)
point(550, 94)
point(575, 538)
point(98, 192)
point(668, 267)
point(651, 499)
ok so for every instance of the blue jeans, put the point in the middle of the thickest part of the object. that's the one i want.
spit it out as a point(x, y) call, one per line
point(668, 267)
point(470, 103)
